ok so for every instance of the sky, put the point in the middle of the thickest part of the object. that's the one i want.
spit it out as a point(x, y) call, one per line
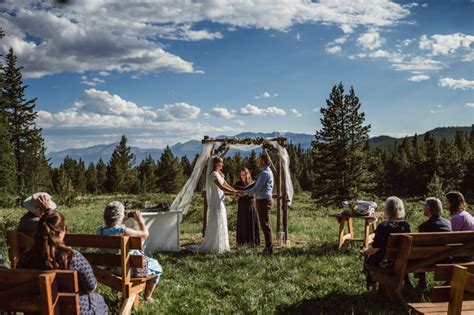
point(169, 71)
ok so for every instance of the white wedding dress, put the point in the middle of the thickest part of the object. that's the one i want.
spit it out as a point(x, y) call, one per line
point(216, 237)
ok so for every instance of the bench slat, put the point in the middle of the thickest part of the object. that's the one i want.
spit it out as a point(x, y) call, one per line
point(432, 238)
point(112, 260)
point(99, 241)
point(427, 251)
point(443, 272)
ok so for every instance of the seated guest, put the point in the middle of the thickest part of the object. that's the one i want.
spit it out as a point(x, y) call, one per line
point(36, 205)
point(114, 215)
point(435, 223)
point(461, 220)
point(49, 252)
point(395, 223)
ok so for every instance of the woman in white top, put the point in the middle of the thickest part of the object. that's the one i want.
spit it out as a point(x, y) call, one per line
point(216, 237)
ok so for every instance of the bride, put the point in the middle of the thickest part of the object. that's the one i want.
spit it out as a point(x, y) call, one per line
point(216, 237)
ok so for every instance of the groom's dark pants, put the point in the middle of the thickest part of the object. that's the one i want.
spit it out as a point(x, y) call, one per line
point(264, 207)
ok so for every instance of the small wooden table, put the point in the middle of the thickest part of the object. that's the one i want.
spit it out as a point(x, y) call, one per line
point(370, 221)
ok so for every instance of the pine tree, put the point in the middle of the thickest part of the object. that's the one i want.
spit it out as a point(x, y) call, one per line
point(7, 166)
point(430, 161)
point(169, 173)
point(251, 164)
point(147, 176)
point(451, 168)
point(101, 176)
point(28, 145)
point(119, 168)
point(8, 178)
point(186, 165)
point(340, 149)
point(92, 183)
point(79, 179)
point(65, 189)
point(434, 188)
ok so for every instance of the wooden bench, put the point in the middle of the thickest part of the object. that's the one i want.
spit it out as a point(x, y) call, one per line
point(454, 299)
point(39, 292)
point(100, 261)
point(418, 252)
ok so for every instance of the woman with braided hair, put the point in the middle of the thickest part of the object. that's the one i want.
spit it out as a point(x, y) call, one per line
point(49, 252)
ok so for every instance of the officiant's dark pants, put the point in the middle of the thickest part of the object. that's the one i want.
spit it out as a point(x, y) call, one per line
point(264, 207)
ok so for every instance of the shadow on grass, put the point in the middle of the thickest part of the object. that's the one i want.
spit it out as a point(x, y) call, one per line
point(324, 249)
point(341, 303)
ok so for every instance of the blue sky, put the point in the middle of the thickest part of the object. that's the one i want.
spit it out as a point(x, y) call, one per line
point(170, 71)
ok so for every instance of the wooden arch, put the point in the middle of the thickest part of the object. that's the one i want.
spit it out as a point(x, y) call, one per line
point(279, 174)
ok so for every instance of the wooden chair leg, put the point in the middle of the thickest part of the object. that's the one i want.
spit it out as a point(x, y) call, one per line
point(350, 226)
point(366, 236)
point(341, 232)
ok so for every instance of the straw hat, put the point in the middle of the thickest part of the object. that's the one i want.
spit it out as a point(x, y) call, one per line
point(33, 205)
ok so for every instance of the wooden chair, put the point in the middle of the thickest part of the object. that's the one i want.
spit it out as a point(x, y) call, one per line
point(39, 292)
point(453, 299)
point(100, 261)
point(418, 252)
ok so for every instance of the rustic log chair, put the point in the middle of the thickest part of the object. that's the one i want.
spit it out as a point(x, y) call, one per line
point(39, 292)
point(418, 252)
point(128, 286)
point(454, 299)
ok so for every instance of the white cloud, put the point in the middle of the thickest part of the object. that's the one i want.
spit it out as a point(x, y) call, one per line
point(469, 105)
point(93, 82)
point(252, 110)
point(469, 57)
point(266, 95)
point(98, 117)
point(104, 73)
point(347, 28)
point(333, 50)
point(445, 44)
point(93, 35)
point(437, 110)
point(391, 56)
point(295, 112)
point(370, 40)
point(411, 5)
point(419, 77)
point(317, 109)
point(240, 122)
point(298, 36)
point(420, 64)
point(454, 84)
point(177, 111)
point(222, 112)
point(407, 42)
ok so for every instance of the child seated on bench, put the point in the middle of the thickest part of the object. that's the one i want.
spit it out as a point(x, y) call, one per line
point(395, 213)
point(114, 215)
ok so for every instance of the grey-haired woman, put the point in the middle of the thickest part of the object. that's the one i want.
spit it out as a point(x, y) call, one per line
point(114, 214)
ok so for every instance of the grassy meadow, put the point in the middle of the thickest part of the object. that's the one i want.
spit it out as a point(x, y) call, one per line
point(311, 275)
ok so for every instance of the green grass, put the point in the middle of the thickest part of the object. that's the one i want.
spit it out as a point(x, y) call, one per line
point(310, 276)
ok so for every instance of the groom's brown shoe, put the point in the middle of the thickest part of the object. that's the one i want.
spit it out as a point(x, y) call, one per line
point(267, 251)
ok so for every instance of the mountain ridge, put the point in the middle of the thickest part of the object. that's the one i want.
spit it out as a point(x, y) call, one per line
point(193, 147)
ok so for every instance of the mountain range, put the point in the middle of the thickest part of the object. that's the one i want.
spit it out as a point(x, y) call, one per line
point(193, 147)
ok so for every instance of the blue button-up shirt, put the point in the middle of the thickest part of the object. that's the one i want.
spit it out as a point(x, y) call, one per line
point(263, 188)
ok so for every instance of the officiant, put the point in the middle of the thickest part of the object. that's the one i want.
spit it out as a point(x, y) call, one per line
point(247, 219)
point(263, 189)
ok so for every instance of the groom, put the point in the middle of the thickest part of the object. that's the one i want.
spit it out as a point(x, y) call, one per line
point(263, 189)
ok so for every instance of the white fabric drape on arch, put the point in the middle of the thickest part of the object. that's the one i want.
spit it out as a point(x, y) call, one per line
point(182, 201)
